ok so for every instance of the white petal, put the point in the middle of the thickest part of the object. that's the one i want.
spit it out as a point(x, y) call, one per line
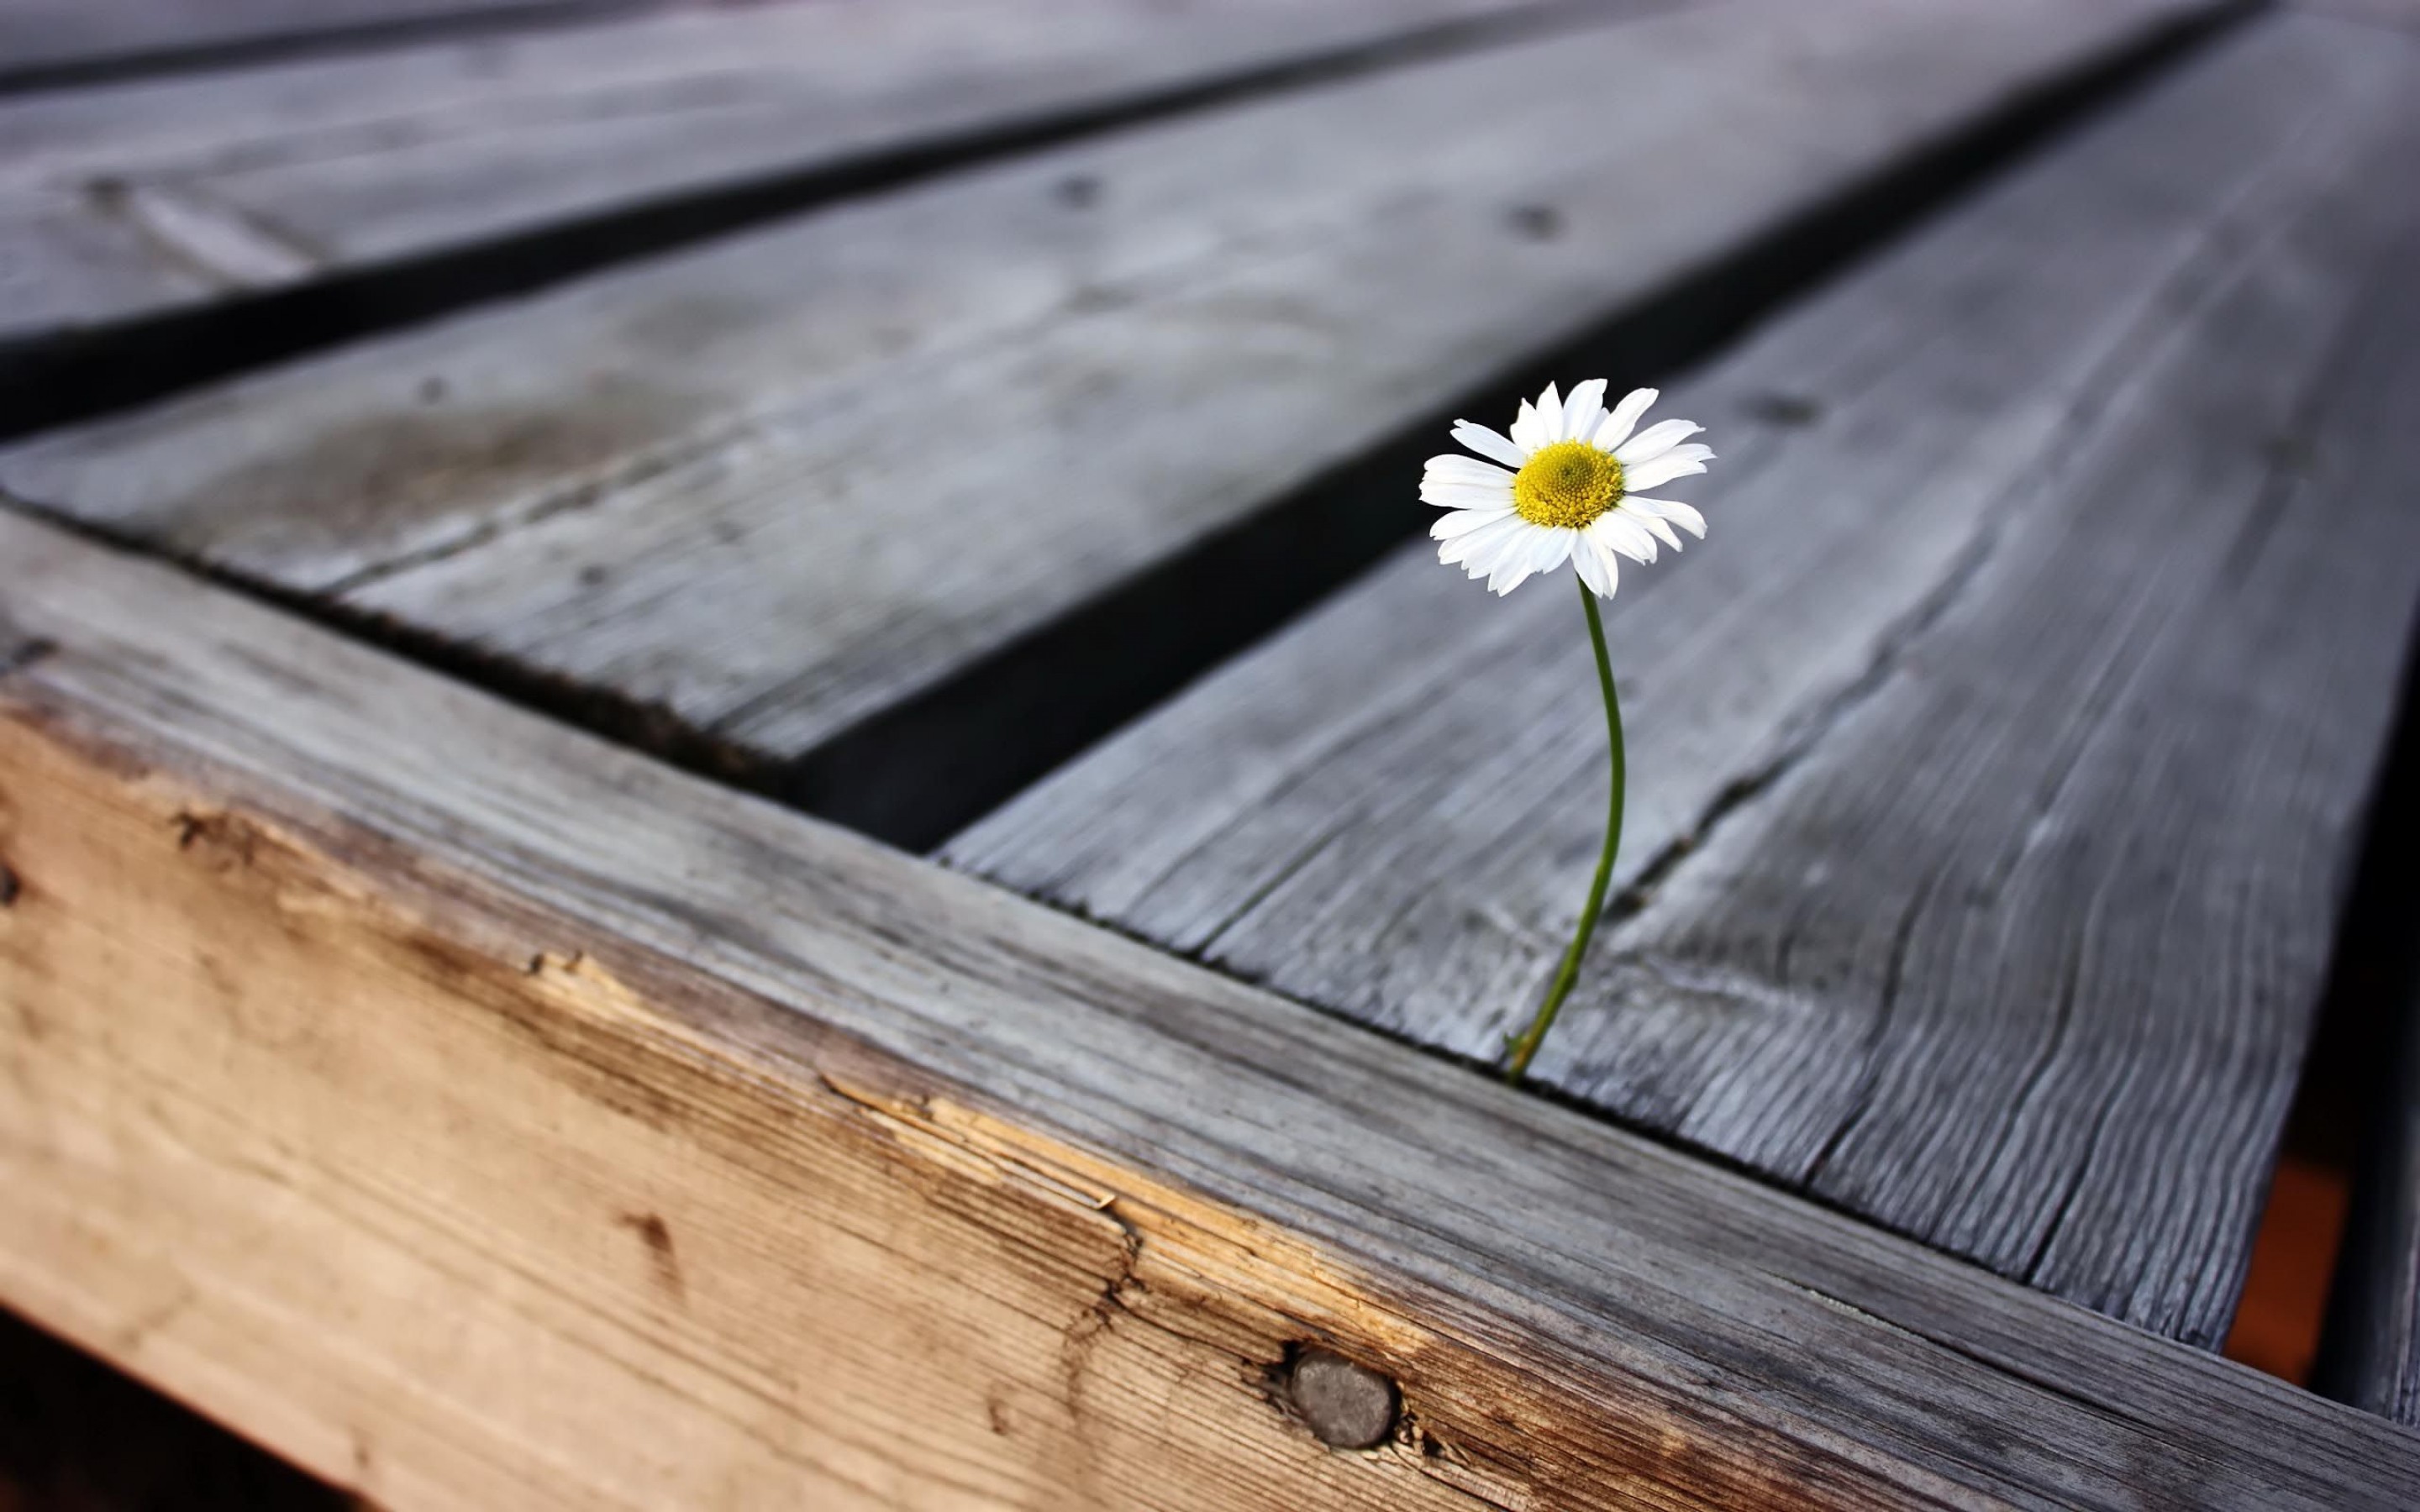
point(1531, 429)
point(1658, 470)
point(1589, 561)
point(1673, 510)
point(1462, 496)
point(1652, 522)
point(1654, 440)
point(1550, 409)
point(1466, 469)
point(1503, 557)
point(1605, 559)
point(1478, 547)
point(1624, 536)
point(1463, 521)
point(1547, 550)
point(1617, 426)
point(1521, 556)
point(1584, 410)
point(1490, 444)
point(1451, 483)
point(1690, 452)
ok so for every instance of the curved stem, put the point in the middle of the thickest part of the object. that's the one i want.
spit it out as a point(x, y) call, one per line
point(1520, 1049)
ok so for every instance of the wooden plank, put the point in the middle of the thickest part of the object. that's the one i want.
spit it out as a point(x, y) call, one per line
point(707, 492)
point(480, 1114)
point(1996, 761)
point(155, 195)
point(45, 42)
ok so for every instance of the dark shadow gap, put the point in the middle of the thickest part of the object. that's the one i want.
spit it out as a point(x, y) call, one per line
point(2357, 1107)
point(204, 55)
point(76, 1436)
point(59, 379)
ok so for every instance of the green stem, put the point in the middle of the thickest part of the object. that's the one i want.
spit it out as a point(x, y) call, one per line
point(1521, 1048)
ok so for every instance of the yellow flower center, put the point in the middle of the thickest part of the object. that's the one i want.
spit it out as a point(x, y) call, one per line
point(1566, 486)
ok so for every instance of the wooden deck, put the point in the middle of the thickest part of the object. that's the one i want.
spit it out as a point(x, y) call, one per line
point(718, 739)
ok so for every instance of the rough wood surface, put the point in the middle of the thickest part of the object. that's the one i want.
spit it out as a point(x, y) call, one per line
point(485, 1116)
point(1996, 763)
point(763, 492)
point(154, 194)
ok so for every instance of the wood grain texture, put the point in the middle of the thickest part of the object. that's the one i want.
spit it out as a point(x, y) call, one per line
point(118, 201)
point(765, 491)
point(483, 1115)
point(1995, 765)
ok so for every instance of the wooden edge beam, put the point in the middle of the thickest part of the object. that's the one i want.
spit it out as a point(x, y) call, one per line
point(482, 1115)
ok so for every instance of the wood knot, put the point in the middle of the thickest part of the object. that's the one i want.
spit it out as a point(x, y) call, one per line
point(1538, 222)
point(1349, 1406)
point(1788, 411)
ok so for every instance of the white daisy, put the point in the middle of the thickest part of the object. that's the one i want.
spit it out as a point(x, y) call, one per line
point(1567, 488)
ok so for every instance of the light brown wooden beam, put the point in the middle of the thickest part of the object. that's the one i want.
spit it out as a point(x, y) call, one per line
point(482, 1115)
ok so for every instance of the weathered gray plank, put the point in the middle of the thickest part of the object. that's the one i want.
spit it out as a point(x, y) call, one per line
point(158, 194)
point(725, 1022)
point(1994, 763)
point(768, 489)
point(42, 38)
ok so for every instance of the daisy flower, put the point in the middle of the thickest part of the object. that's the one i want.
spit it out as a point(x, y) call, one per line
point(1567, 484)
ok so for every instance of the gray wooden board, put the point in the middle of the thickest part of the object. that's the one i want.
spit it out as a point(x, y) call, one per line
point(771, 487)
point(154, 194)
point(36, 35)
point(1995, 763)
point(1717, 1320)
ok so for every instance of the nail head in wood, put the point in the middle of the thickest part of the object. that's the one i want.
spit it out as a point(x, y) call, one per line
point(1349, 1406)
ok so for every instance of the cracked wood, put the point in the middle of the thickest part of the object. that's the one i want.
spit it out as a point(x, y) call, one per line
point(748, 497)
point(480, 1114)
point(1995, 765)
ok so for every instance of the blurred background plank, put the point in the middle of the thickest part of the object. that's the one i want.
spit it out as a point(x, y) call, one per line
point(745, 501)
point(1997, 764)
point(51, 43)
point(158, 194)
